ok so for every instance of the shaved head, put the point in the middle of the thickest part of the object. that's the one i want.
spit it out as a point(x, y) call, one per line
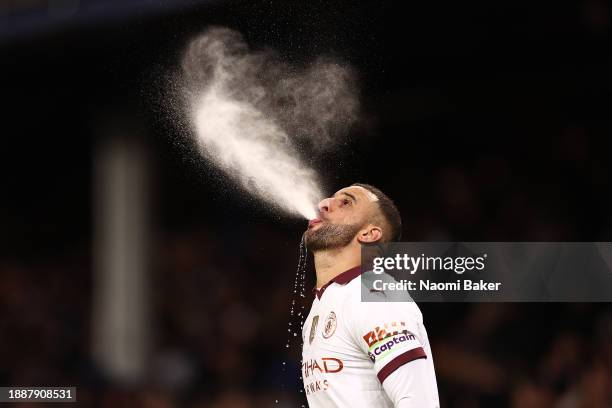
point(372, 197)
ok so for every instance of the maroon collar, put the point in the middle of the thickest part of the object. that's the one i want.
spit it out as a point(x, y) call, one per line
point(342, 279)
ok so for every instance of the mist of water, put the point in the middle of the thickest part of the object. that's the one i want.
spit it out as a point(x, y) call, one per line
point(257, 118)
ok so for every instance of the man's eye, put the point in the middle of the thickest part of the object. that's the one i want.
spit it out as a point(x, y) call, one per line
point(346, 201)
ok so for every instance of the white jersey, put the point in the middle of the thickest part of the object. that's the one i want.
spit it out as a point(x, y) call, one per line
point(365, 354)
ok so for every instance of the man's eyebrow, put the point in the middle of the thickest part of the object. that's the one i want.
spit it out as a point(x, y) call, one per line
point(350, 195)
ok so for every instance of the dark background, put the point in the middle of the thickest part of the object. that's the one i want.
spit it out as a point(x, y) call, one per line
point(483, 121)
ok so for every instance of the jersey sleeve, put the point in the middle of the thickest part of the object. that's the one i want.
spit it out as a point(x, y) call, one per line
point(389, 333)
point(409, 387)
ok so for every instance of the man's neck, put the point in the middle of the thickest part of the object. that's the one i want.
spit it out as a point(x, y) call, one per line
point(332, 262)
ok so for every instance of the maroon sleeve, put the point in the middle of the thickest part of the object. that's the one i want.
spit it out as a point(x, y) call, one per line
point(399, 361)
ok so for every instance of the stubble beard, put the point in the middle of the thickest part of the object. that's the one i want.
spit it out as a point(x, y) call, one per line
point(330, 236)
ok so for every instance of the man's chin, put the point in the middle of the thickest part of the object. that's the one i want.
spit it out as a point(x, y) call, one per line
point(312, 242)
point(316, 243)
point(325, 236)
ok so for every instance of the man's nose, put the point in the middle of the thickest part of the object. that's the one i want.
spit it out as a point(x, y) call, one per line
point(324, 205)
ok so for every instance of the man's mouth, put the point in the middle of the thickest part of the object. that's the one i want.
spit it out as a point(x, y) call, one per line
point(314, 222)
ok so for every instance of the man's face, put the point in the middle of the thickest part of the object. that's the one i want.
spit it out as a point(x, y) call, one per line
point(341, 217)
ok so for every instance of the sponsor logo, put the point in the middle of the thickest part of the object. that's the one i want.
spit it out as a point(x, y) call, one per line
point(381, 333)
point(330, 325)
point(328, 365)
point(387, 345)
point(313, 328)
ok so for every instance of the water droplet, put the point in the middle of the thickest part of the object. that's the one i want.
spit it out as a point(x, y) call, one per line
point(299, 293)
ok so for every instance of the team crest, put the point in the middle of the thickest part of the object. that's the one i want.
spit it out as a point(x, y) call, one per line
point(313, 328)
point(330, 325)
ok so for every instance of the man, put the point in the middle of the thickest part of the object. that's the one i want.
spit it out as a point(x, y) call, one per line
point(361, 354)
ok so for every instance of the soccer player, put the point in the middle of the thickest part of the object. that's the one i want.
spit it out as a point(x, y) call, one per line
point(361, 354)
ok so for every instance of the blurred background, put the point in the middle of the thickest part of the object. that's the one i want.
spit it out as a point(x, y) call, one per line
point(135, 271)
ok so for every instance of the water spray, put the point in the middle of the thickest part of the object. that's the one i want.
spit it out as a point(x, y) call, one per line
point(257, 117)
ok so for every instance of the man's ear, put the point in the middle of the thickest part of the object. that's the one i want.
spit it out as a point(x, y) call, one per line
point(369, 235)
